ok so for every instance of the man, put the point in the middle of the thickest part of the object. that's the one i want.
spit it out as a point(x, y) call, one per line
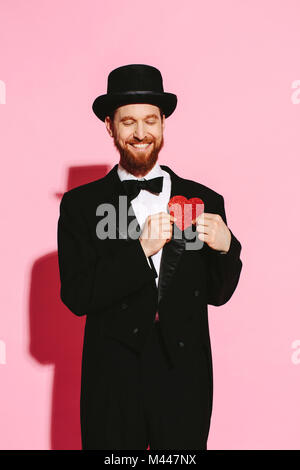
point(146, 364)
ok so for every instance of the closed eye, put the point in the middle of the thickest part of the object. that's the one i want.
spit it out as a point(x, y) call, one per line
point(130, 123)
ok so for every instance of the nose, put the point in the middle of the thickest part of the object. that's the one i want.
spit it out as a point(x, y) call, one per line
point(139, 131)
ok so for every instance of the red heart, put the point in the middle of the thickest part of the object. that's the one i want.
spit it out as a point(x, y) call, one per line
point(185, 210)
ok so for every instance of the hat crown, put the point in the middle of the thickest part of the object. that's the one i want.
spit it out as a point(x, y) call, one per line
point(135, 77)
point(132, 84)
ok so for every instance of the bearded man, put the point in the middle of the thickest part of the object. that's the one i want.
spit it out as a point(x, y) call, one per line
point(147, 378)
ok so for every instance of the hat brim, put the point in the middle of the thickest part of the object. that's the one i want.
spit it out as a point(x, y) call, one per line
point(105, 104)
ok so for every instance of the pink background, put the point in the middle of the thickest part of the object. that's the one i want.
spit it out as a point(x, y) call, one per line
point(232, 65)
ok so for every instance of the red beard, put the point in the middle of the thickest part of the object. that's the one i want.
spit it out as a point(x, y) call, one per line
point(138, 164)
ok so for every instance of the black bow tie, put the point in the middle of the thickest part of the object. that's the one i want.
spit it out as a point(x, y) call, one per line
point(133, 187)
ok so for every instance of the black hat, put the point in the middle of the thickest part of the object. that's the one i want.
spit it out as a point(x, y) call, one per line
point(134, 83)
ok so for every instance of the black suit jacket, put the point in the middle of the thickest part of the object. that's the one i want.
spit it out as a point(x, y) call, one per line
point(111, 282)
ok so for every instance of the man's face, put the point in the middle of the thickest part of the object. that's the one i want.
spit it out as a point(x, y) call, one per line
point(137, 124)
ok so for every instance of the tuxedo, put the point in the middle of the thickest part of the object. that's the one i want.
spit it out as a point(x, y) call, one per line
point(111, 282)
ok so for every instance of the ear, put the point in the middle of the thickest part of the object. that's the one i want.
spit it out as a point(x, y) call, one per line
point(109, 125)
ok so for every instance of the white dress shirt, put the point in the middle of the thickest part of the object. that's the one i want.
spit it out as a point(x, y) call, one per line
point(147, 203)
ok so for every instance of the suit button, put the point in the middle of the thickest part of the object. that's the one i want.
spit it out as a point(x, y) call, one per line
point(196, 293)
point(124, 305)
point(181, 344)
point(135, 331)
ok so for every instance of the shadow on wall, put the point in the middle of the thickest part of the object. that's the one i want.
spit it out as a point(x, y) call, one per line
point(56, 334)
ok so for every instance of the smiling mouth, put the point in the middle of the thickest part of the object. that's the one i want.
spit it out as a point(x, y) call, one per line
point(140, 147)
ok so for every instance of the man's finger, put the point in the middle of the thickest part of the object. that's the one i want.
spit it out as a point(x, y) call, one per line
point(205, 216)
point(203, 229)
point(200, 219)
point(164, 215)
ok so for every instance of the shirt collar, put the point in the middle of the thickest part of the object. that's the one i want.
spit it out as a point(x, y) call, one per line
point(153, 173)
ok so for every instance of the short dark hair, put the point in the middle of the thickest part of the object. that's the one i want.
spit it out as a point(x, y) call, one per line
point(112, 114)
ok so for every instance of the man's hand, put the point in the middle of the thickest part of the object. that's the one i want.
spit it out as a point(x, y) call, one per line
point(213, 231)
point(156, 232)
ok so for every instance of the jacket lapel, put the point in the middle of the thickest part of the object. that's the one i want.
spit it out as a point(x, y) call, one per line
point(173, 249)
point(127, 225)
